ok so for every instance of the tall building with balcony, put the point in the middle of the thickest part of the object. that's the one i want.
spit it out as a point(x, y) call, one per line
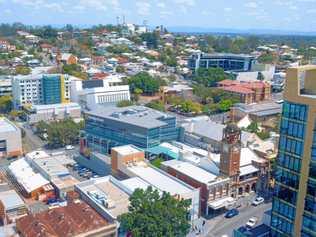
point(40, 89)
point(229, 62)
point(294, 203)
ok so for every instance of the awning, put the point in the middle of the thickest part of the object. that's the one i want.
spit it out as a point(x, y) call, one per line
point(220, 203)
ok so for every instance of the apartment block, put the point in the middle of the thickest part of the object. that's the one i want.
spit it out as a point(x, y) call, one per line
point(40, 89)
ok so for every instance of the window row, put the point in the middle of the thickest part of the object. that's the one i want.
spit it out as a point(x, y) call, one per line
point(289, 162)
point(281, 224)
point(290, 145)
point(295, 111)
point(309, 223)
point(285, 194)
point(287, 178)
point(292, 128)
point(283, 209)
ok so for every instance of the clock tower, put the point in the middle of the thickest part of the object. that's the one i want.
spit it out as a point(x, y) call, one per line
point(230, 153)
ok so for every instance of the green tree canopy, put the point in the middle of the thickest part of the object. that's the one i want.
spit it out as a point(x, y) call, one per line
point(124, 103)
point(5, 104)
point(145, 82)
point(153, 215)
point(157, 105)
point(22, 70)
point(210, 76)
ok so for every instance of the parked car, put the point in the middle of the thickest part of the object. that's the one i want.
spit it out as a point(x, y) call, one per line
point(69, 147)
point(257, 201)
point(252, 222)
point(231, 213)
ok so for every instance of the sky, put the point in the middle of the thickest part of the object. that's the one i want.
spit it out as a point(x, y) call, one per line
point(295, 15)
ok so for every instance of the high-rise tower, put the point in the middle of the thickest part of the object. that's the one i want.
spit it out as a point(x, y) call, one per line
point(294, 200)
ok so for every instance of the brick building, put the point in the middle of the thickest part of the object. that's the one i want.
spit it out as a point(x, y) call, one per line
point(73, 220)
point(248, 92)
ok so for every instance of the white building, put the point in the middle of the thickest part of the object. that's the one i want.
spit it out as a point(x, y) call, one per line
point(10, 139)
point(40, 89)
point(53, 112)
point(5, 85)
point(91, 93)
point(158, 179)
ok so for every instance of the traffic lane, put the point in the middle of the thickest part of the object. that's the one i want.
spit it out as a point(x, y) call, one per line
point(225, 226)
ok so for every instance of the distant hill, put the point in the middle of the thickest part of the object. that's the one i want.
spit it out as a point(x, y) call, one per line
point(204, 30)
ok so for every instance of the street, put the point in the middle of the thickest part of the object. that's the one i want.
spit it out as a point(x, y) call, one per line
point(222, 226)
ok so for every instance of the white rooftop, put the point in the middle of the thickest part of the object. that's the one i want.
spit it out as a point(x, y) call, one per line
point(159, 179)
point(126, 150)
point(191, 171)
point(249, 169)
point(7, 126)
point(134, 183)
point(25, 175)
point(11, 200)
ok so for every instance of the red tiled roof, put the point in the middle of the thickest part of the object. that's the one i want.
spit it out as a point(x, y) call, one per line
point(238, 89)
point(100, 76)
point(228, 82)
point(69, 221)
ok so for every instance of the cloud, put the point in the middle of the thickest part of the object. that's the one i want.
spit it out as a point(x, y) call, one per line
point(54, 7)
point(161, 4)
point(143, 8)
point(251, 5)
point(228, 9)
point(190, 3)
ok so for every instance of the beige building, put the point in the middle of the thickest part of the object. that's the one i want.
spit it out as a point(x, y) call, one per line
point(10, 139)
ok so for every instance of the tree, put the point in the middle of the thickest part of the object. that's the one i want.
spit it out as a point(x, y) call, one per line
point(253, 127)
point(137, 93)
point(157, 105)
point(160, 215)
point(120, 69)
point(145, 82)
point(75, 70)
point(124, 103)
point(225, 105)
point(22, 70)
point(151, 39)
point(210, 76)
point(5, 104)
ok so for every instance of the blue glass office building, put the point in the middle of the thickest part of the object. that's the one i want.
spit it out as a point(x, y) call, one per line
point(294, 201)
point(107, 127)
point(51, 89)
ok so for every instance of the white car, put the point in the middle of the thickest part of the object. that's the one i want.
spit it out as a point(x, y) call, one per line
point(258, 201)
point(252, 222)
point(69, 147)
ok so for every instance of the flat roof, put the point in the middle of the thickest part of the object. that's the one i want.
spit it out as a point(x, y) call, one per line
point(7, 126)
point(126, 149)
point(249, 169)
point(106, 188)
point(136, 115)
point(11, 200)
point(135, 183)
point(191, 171)
point(56, 106)
point(159, 179)
point(25, 175)
point(47, 163)
point(214, 130)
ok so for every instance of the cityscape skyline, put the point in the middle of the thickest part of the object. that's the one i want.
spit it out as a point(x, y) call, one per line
point(241, 14)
